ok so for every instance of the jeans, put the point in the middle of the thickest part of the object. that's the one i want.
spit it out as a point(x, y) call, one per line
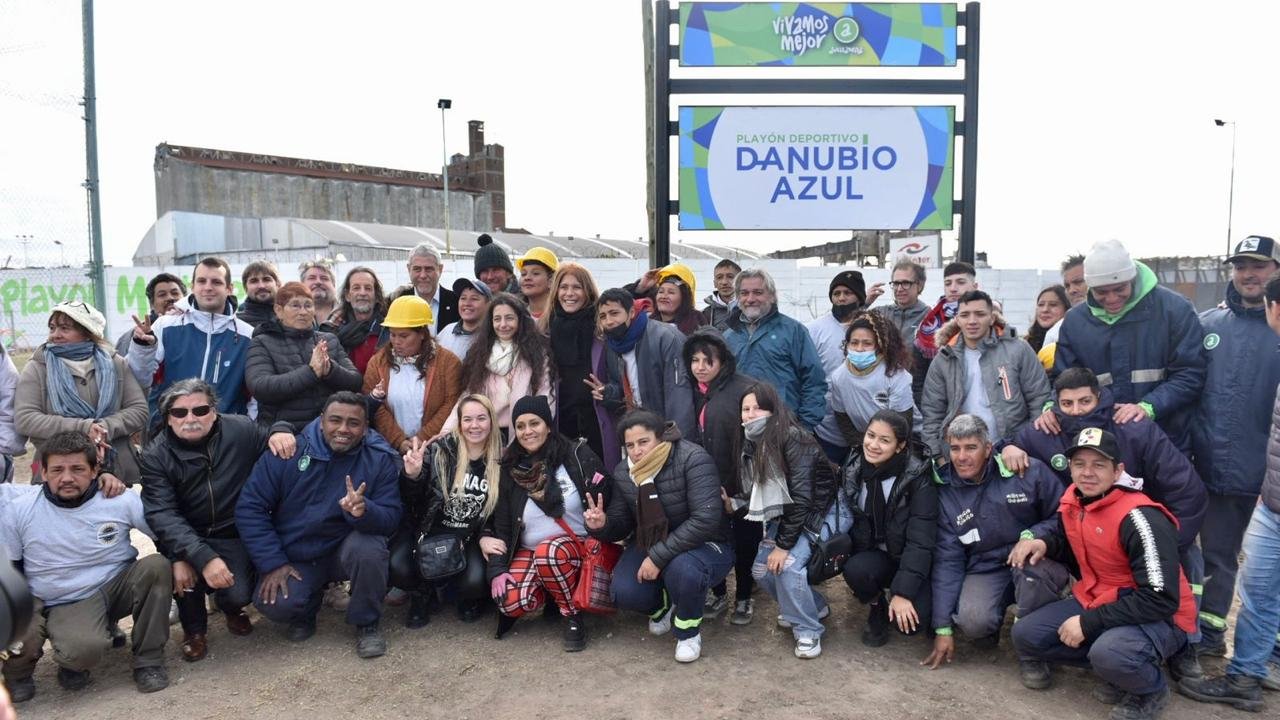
point(1129, 657)
point(985, 596)
point(1258, 624)
point(1220, 538)
point(361, 558)
point(191, 605)
point(683, 584)
point(798, 603)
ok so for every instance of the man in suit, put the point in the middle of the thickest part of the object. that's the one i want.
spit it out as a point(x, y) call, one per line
point(425, 266)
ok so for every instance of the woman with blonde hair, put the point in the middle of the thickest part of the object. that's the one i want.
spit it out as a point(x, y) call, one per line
point(450, 487)
point(575, 348)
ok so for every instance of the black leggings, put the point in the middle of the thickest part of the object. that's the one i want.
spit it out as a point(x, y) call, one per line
point(470, 583)
point(747, 535)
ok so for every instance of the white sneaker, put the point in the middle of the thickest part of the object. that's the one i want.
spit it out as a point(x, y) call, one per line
point(807, 648)
point(689, 650)
point(822, 615)
point(662, 625)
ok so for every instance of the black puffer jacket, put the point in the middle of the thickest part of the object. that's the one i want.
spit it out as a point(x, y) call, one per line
point(911, 520)
point(279, 377)
point(689, 489)
point(588, 476)
point(256, 313)
point(423, 496)
point(720, 409)
point(189, 492)
point(811, 481)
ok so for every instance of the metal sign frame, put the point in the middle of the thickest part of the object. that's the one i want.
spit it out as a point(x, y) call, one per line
point(664, 128)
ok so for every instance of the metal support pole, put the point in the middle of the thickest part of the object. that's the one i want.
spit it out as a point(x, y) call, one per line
point(444, 157)
point(1231, 192)
point(969, 181)
point(96, 261)
point(660, 244)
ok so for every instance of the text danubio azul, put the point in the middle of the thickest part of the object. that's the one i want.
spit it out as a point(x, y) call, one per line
point(795, 153)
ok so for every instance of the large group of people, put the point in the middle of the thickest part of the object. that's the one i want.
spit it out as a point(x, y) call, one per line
point(527, 442)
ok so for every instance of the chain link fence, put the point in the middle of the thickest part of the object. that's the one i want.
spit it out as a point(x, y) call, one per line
point(44, 236)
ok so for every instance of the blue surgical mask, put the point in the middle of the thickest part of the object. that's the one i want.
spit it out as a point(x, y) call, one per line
point(862, 360)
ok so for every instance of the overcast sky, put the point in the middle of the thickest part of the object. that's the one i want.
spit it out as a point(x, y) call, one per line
point(1096, 117)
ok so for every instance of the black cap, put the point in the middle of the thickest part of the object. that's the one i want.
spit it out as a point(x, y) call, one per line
point(1098, 440)
point(1256, 247)
point(851, 279)
point(471, 284)
point(532, 405)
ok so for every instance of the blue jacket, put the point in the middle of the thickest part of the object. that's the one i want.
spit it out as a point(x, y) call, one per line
point(1149, 352)
point(196, 344)
point(1233, 419)
point(288, 509)
point(979, 523)
point(780, 351)
point(1147, 453)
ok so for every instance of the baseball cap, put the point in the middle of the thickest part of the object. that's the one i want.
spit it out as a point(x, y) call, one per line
point(472, 284)
point(1098, 440)
point(1256, 247)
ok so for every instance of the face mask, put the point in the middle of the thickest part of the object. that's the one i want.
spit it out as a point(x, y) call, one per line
point(862, 359)
point(753, 429)
point(844, 312)
point(618, 333)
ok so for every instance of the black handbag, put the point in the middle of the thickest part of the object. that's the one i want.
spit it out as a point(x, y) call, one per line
point(441, 556)
point(827, 558)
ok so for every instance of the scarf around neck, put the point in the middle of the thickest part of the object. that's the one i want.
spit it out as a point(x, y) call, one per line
point(572, 334)
point(63, 398)
point(628, 341)
point(769, 491)
point(502, 357)
point(926, 336)
point(650, 465)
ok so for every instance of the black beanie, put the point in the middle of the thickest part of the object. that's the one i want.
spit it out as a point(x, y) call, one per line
point(851, 279)
point(491, 255)
point(532, 405)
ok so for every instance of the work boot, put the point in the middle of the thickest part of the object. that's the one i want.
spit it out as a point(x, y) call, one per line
point(238, 623)
point(301, 629)
point(1239, 691)
point(1035, 674)
point(470, 611)
point(369, 641)
point(1141, 707)
point(150, 679)
point(118, 638)
point(21, 689)
point(575, 633)
point(876, 634)
point(1212, 645)
point(1107, 694)
point(73, 679)
point(194, 647)
point(419, 615)
point(1272, 680)
point(1185, 665)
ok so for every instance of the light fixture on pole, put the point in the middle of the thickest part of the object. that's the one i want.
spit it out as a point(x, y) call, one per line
point(445, 104)
point(1231, 192)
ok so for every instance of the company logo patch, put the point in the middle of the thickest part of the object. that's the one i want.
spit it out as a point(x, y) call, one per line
point(1211, 341)
point(108, 533)
point(1016, 498)
point(1090, 437)
point(1059, 462)
point(1246, 245)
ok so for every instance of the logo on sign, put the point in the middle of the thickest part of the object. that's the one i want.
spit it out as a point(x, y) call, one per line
point(846, 31)
point(914, 248)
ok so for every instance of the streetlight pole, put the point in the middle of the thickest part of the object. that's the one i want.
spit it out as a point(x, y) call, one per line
point(445, 104)
point(62, 251)
point(1231, 191)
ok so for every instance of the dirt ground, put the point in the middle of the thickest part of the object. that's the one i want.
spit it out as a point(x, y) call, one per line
point(454, 670)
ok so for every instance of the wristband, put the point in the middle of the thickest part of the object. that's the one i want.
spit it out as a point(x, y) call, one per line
point(943, 631)
point(1148, 409)
point(1027, 535)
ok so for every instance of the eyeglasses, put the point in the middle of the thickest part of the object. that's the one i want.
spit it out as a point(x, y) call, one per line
point(902, 283)
point(301, 306)
point(198, 411)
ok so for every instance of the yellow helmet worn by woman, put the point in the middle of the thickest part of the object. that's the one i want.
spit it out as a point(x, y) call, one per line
point(680, 270)
point(409, 311)
point(540, 255)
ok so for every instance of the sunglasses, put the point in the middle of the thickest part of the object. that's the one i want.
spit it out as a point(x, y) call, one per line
point(198, 411)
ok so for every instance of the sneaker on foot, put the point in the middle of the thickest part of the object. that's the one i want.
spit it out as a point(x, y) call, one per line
point(807, 648)
point(1107, 694)
point(118, 638)
point(742, 612)
point(1035, 674)
point(689, 649)
point(1239, 691)
point(575, 633)
point(395, 597)
point(21, 689)
point(369, 641)
point(822, 615)
point(173, 613)
point(301, 629)
point(662, 625)
point(337, 596)
point(73, 679)
point(1141, 707)
point(876, 633)
point(714, 605)
point(1272, 680)
point(150, 679)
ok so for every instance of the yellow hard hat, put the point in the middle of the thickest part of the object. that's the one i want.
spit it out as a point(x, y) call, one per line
point(681, 271)
point(409, 311)
point(539, 255)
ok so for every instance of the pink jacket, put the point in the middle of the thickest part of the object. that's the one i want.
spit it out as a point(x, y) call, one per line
point(503, 392)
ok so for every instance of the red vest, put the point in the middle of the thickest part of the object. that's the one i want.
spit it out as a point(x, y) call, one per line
point(1094, 533)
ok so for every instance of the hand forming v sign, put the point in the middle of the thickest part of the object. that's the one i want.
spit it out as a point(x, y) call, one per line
point(594, 516)
point(413, 457)
point(353, 502)
point(597, 387)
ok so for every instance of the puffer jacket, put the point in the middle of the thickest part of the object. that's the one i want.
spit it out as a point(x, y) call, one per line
point(1014, 379)
point(689, 490)
point(663, 382)
point(189, 492)
point(1271, 481)
point(911, 519)
point(1149, 457)
point(779, 350)
point(1150, 352)
point(33, 411)
point(716, 313)
point(280, 377)
point(256, 313)
point(811, 482)
point(588, 476)
point(1233, 418)
point(979, 523)
point(719, 409)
